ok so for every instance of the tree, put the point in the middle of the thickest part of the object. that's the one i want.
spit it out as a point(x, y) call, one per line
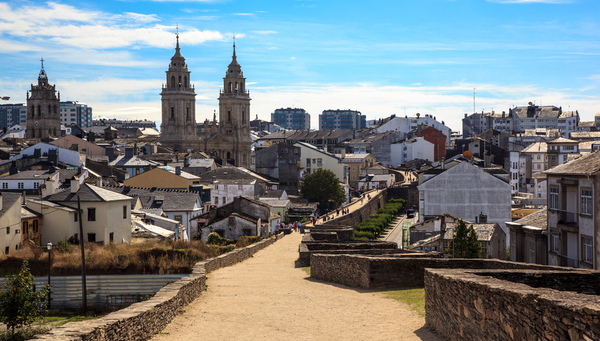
point(323, 186)
point(466, 244)
point(19, 303)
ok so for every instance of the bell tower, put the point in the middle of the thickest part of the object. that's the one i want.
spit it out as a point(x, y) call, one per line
point(178, 127)
point(234, 113)
point(43, 108)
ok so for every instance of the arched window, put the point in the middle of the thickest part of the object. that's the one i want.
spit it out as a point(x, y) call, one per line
point(50, 131)
point(39, 110)
point(230, 87)
point(55, 108)
point(243, 116)
point(172, 81)
point(228, 155)
point(49, 109)
point(187, 113)
point(185, 82)
point(241, 86)
point(229, 116)
point(236, 86)
point(180, 81)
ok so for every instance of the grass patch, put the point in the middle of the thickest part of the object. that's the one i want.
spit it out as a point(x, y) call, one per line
point(56, 321)
point(413, 297)
point(307, 270)
point(24, 333)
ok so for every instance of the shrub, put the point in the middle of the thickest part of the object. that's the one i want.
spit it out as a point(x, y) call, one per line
point(244, 241)
point(215, 239)
point(63, 246)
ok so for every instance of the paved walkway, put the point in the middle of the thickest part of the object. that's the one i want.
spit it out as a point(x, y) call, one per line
point(267, 298)
point(353, 206)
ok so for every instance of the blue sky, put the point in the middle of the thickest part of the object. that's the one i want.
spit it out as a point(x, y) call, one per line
point(378, 57)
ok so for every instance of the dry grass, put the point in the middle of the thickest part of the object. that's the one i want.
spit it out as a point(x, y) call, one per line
point(139, 258)
point(413, 297)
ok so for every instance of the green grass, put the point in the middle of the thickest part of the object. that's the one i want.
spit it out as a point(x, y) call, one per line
point(307, 270)
point(60, 320)
point(413, 297)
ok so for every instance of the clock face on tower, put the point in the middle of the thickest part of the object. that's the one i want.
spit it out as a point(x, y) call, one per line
point(36, 123)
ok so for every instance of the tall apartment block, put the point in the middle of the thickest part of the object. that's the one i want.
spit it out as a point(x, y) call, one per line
point(11, 114)
point(73, 112)
point(291, 118)
point(342, 119)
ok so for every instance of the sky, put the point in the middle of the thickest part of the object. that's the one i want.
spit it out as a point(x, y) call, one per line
point(378, 57)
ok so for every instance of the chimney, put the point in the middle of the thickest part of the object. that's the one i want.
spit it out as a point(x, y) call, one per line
point(13, 168)
point(443, 162)
point(50, 186)
point(482, 218)
point(128, 152)
point(343, 152)
point(177, 170)
point(74, 184)
point(110, 152)
point(99, 182)
point(476, 221)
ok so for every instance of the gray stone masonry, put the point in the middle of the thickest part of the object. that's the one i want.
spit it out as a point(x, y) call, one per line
point(142, 320)
point(511, 305)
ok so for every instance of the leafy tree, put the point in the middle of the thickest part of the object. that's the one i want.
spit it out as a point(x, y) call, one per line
point(466, 244)
point(323, 186)
point(19, 303)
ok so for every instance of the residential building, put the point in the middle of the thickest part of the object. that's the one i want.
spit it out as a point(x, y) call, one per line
point(568, 122)
point(12, 114)
point(105, 122)
point(179, 205)
point(199, 166)
point(29, 181)
point(532, 159)
point(280, 161)
point(342, 119)
point(106, 215)
point(376, 144)
point(313, 158)
point(239, 173)
point(559, 149)
point(43, 117)
point(10, 222)
point(73, 142)
point(372, 181)
point(549, 117)
point(530, 136)
point(265, 126)
point(435, 137)
point(465, 190)
point(411, 149)
point(163, 177)
point(291, 118)
point(223, 191)
point(17, 131)
point(31, 227)
point(356, 163)
point(528, 241)
point(241, 217)
point(573, 225)
point(60, 221)
point(503, 122)
point(491, 238)
point(407, 124)
point(514, 159)
point(597, 121)
point(131, 163)
point(476, 123)
point(586, 126)
point(430, 227)
point(54, 153)
point(585, 136)
point(74, 112)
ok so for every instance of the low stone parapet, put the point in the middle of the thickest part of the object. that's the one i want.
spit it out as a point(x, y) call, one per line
point(140, 321)
point(462, 304)
point(398, 270)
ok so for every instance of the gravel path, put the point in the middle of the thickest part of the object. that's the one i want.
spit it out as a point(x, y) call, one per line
point(267, 298)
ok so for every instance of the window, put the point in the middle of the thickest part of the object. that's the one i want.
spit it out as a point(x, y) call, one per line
point(216, 200)
point(587, 250)
point(554, 198)
point(20, 185)
point(111, 237)
point(91, 237)
point(8, 230)
point(564, 158)
point(5, 185)
point(224, 200)
point(91, 214)
point(35, 226)
point(124, 211)
point(25, 227)
point(76, 217)
point(586, 201)
point(538, 157)
point(555, 243)
point(6, 250)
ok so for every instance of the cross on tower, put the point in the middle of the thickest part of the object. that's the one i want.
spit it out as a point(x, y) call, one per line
point(177, 33)
point(42, 60)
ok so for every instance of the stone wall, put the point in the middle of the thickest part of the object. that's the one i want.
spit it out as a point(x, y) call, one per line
point(307, 248)
point(399, 270)
point(475, 305)
point(369, 207)
point(142, 320)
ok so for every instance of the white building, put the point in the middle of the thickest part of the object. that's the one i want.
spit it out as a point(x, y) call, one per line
point(465, 191)
point(406, 124)
point(70, 157)
point(224, 191)
point(514, 171)
point(414, 148)
point(313, 158)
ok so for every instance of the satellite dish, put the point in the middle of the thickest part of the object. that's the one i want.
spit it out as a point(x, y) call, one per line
point(467, 154)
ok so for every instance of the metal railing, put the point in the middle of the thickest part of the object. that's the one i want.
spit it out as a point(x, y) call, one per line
point(566, 261)
point(110, 291)
point(566, 217)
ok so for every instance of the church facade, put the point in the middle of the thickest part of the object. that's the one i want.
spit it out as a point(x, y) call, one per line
point(43, 109)
point(228, 140)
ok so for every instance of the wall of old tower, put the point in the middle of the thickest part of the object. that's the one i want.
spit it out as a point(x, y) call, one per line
point(43, 109)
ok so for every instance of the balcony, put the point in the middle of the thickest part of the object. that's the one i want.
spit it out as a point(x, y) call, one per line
point(568, 218)
point(566, 261)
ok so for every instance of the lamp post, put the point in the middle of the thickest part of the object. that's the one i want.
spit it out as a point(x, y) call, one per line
point(49, 246)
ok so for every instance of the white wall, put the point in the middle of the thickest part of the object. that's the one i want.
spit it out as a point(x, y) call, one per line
point(67, 156)
point(229, 192)
point(416, 148)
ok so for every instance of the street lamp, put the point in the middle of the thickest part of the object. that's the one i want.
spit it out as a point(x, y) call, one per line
point(49, 246)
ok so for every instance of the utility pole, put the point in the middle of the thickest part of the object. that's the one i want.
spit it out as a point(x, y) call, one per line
point(83, 285)
point(473, 100)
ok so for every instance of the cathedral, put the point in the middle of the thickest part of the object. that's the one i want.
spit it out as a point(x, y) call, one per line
point(228, 140)
point(43, 109)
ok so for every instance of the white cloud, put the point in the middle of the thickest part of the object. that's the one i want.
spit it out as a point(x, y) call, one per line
point(68, 26)
point(264, 32)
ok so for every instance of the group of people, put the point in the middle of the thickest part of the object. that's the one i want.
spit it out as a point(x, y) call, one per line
point(292, 226)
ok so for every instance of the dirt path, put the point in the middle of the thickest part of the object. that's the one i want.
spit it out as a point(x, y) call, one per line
point(267, 298)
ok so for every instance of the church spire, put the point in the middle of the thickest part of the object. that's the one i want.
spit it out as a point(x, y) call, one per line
point(234, 69)
point(42, 71)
